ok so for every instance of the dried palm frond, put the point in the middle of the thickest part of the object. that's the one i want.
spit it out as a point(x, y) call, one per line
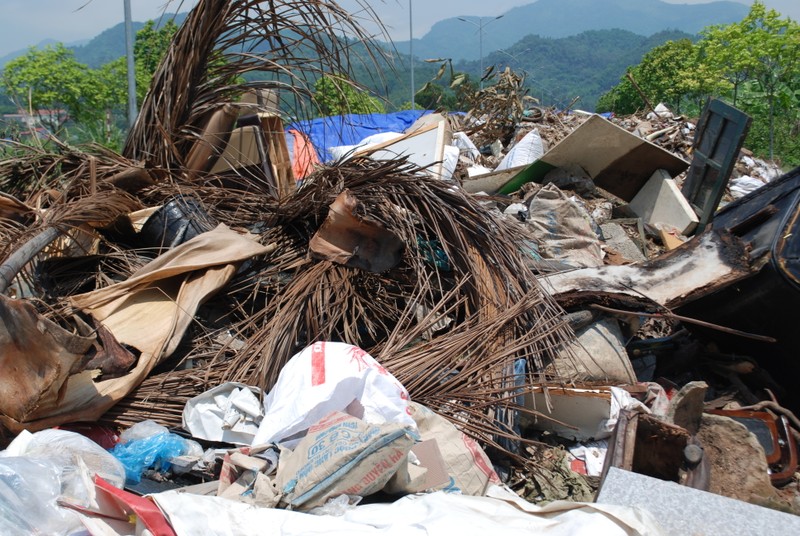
point(288, 43)
point(460, 319)
point(65, 171)
point(23, 244)
point(461, 263)
point(498, 108)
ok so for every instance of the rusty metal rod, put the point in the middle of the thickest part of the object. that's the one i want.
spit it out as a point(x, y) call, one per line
point(732, 331)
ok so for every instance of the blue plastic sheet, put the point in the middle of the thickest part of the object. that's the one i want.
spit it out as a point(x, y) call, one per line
point(326, 132)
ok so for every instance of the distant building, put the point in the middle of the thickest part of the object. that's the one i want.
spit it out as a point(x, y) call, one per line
point(34, 125)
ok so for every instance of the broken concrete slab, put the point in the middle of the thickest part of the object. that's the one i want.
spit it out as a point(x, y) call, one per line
point(618, 240)
point(615, 159)
point(683, 510)
point(661, 201)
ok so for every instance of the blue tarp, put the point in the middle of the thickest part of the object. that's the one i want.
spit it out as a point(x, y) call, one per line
point(325, 132)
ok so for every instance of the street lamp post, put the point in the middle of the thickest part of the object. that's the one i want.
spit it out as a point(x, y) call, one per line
point(480, 24)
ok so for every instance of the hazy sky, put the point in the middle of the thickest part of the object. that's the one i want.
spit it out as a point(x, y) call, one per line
point(27, 22)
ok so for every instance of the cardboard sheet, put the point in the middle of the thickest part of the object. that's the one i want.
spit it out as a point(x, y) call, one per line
point(150, 312)
point(615, 159)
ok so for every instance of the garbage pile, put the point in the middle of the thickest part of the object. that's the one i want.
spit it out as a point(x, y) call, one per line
point(449, 323)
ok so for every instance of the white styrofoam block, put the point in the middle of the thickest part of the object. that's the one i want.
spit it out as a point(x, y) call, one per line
point(660, 201)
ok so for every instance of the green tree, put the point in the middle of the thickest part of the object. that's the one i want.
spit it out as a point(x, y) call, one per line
point(722, 51)
point(759, 57)
point(112, 95)
point(95, 100)
point(334, 95)
point(49, 79)
point(672, 73)
point(148, 49)
point(774, 47)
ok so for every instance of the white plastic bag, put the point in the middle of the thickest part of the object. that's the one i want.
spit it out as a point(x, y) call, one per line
point(527, 151)
point(78, 458)
point(29, 489)
point(230, 412)
point(327, 377)
point(465, 146)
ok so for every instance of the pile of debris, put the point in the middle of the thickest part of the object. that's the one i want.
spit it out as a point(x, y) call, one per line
point(463, 322)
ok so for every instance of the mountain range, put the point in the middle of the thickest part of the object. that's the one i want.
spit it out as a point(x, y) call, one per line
point(568, 48)
point(457, 39)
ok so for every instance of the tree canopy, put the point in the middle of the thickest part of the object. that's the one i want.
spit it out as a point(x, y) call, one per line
point(53, 84)
point(753, 64)
point(59, 90)
point(335, 95)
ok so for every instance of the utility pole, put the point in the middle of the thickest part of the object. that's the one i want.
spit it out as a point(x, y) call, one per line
point(131, 66)
point(480, 24)
point(411, 52)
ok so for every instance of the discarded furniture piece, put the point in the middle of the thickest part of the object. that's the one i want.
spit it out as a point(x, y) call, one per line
point(768, 221)
point(617, 161)
point(718, 139)
point(649, 446)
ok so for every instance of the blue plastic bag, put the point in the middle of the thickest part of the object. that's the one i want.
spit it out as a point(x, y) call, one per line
point(153, 451)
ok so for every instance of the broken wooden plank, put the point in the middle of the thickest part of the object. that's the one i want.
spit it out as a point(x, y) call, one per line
point(701, 266)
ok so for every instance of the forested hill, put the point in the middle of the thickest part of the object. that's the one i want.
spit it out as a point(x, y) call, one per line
point(557, 69)
point(585, 65)
point(454, 38)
